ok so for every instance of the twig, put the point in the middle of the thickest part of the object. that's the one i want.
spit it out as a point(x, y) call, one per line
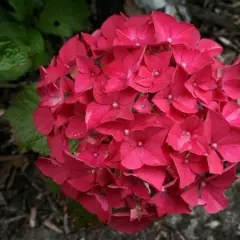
point(172, 229)
point(52, 216)
point(2, 112)
point(180, 235)
point(227, 34)
point(162, 234)
point(212, 17)
point(52, 226)
point(2, 200)
point(228, 44)
point(13, 219)
point(235, 5)
point(10, 158)
point(9, 85)
point(65, 223)
point(31, 183)
point(8, 143)
point(32, 218)
point(52, 205)
point(41, 195)
point(12, 178)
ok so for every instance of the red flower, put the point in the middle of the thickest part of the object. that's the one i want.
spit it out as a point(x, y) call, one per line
point(95, 203)
point(156, 75)
point(209, 46)
point(231, 81)
point(96, 43)
point(76, 128)
point(168, 30)
point(52, 96)
point(136, 31)
point(132, 186)
point(108, 29)
point(155, 116)
point(67, 89)
point(152, 175)
point(114, 196)
point(51, 74)
point(224, 143)
point(63, 115)
point(169, 201)
point(111, 107)
point(53, 169)
point(143, 148)
point(121, 222)
point(175, 98)
point(44, 120)
point(72, 49)
point(117, 129)
point(87, 71)
point(188, 136)
point(201, 83)
point(94, 156)
point(191, 60)
point(218, 94)
point(211, 191)
point(58, 143)
point(122, 69)
point(188, 166)
point(142, 105)
point(231, 112)
point(83, 176)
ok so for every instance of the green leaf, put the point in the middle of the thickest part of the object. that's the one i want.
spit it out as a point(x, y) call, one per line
point(73, 145)
point(16, 32)
point(20, 116)
point(30, 40)
point(14, 61)
point(53, 186)
point(35, 41)
point(37, 49)
point(81, 216)
point(63, 17)
point(23, 8)
point(30, 37)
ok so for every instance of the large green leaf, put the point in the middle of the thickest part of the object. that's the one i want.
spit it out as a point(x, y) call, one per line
point(63, 17)
point(16, 32)
point(29, 39)
point(14, 60)
point(27, 36)
point(20, 116)
point(23, 8)
point(37, 49)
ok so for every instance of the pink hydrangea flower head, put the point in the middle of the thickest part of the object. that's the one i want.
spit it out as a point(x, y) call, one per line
point(155, 116)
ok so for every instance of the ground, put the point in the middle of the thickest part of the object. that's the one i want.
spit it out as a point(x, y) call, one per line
point(29, 194)
point(29, 211)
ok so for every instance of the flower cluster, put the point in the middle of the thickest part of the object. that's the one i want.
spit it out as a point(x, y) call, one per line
point(156, 114)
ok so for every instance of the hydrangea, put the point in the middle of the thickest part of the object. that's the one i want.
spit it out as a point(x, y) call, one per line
point(156, 116)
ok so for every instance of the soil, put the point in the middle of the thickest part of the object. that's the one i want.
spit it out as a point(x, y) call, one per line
point(30, 211)
point(29, 194)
